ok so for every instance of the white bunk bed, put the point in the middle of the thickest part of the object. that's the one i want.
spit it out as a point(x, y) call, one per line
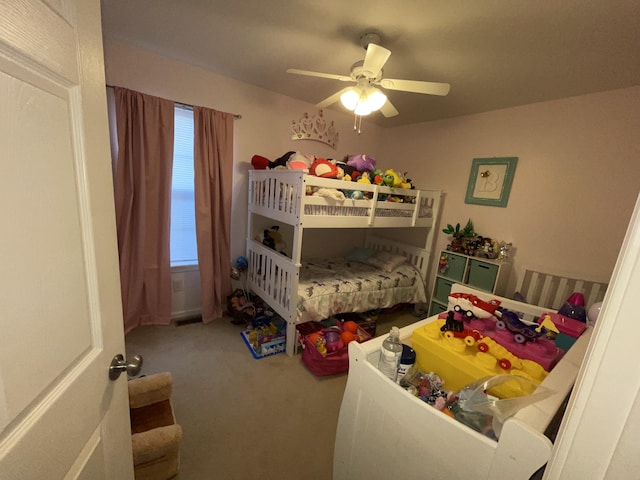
point(282, 197)
point(385, 432)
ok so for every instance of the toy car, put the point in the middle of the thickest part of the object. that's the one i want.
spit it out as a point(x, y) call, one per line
point(462, 303)
point(506, 360)
point(454, 328)
point(482, 309)
point(521, 331)
point(473, 306)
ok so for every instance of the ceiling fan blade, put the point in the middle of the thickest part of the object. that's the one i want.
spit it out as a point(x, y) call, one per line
point(388, 110)
point(342, 78)
point(415, 86)
point(375, 59)
point(332, 99)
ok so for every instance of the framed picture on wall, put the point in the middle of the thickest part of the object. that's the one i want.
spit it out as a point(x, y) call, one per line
point(490, 181)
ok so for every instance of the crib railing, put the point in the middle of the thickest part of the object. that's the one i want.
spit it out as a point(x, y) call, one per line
point(552, 290)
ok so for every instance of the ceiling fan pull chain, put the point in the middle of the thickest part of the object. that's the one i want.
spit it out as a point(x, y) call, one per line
point(357, 123)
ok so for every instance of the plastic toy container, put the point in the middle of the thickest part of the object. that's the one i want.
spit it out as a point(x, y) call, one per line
point(543, 351)
point(460, 364)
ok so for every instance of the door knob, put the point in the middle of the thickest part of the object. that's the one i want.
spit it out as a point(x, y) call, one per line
point(119, 365)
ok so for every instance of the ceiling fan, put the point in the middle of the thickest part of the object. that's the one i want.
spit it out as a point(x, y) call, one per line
point(367, 74)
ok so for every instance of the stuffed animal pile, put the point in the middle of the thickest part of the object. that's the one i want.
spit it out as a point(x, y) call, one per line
point(272, 238)
point(353, 168)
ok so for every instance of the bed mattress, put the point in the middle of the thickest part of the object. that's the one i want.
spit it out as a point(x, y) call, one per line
point(331, 286)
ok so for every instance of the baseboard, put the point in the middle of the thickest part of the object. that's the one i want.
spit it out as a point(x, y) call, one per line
point(186, 317)
point(187, 321)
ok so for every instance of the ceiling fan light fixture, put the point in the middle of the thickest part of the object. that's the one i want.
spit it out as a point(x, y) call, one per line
point(362, 109)
point(363, 101)
point(376, 99)
point(350, 99)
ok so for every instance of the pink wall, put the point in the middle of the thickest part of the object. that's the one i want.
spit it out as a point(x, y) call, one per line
point(266, 116)
point(575, 186)
point(576, 182)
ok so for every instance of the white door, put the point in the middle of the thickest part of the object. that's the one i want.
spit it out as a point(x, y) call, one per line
point(60, 309)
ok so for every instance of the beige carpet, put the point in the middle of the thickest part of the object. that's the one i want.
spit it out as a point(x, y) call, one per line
point(245, 418)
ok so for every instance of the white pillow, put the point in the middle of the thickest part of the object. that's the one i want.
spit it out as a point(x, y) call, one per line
point(386, 261)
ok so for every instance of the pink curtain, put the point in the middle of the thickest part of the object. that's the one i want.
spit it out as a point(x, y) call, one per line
point(145, 127)
point(213, 156)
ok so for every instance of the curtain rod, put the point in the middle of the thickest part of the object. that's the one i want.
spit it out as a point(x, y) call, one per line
point(237, 116)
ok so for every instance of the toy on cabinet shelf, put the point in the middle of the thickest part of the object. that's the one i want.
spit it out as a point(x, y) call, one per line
point(443, 264)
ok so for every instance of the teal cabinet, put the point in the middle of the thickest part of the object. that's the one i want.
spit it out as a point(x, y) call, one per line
point(442, 289)
point(487, 275)
point(482, 275)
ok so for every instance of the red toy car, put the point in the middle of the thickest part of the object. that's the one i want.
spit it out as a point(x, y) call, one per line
point(473, 306)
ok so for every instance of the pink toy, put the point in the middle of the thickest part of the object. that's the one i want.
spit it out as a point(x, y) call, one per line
point(577, 299)
point(332, 337)
point(569, 326)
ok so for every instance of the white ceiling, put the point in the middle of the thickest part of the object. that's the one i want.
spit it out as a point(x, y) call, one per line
point(494, 53)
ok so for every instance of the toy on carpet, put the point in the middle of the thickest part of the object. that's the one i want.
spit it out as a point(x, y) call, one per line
point(336, 337)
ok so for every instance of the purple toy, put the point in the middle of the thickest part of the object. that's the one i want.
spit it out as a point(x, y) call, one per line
point(332, 336)
point(362, 163)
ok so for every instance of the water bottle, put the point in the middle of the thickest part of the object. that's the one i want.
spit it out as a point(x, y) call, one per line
point(390, 354)
point(407, 361)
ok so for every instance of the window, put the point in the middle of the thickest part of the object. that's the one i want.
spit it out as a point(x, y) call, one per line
point(183, 218)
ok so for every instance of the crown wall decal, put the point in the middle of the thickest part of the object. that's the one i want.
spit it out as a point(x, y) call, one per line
point(314, 128)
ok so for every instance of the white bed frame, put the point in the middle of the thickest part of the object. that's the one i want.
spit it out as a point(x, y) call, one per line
point(552, 290)
point(280, 195)
point(385, 432)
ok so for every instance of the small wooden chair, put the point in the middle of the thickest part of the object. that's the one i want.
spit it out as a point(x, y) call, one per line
point(155, 436)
